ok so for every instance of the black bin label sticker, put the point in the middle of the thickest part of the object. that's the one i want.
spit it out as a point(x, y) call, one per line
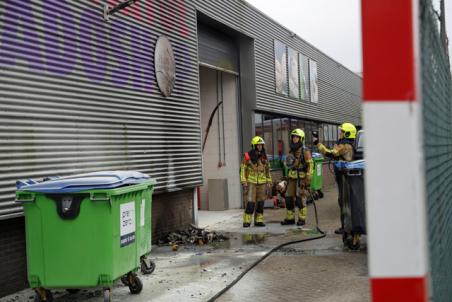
point(127, 223)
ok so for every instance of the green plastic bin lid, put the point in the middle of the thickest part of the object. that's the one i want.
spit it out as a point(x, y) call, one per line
point(87, 181)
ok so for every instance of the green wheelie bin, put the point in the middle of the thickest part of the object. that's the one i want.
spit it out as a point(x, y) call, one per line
point(87, 230)
point(317, 176)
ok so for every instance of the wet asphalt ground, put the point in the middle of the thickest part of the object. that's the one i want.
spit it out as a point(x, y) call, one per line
point(320, 270)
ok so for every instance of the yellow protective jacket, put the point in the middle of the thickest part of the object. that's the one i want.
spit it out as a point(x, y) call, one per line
point(255, 173)
point(303, 164)
point(342, 150)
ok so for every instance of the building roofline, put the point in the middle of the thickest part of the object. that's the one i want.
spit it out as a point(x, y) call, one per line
point(297, 36)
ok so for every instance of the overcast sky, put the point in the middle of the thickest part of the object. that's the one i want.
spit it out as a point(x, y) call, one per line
point(333, 26)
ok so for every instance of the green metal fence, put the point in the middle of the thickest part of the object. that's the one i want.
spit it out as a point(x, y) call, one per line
point(437, 119)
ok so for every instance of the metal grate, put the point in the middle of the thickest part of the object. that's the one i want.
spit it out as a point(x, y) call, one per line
point(437, 119)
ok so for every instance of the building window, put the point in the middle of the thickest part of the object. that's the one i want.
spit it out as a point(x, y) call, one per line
point(313, 81)
point(277, 137)
point(302, 125)
point(295, 74)
point(326, 138)
point(308, 128)
point(330, 134)
point(293, 124)
point(276, 131)
point(304, 77)
point(268, 135)
point(294, 81)
point(258, 127)
point(285, 132)
point(281, 68)
point(336, 133)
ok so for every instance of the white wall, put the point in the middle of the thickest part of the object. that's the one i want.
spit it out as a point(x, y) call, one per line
point(211, 154)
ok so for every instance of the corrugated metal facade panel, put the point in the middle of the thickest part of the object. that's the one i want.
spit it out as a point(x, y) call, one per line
point(339, 89)
point(78, 94)
point(217, 49)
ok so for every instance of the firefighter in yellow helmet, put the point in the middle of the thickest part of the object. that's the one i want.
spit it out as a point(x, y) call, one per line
point(300, 164)
point(256, 179)
point(342, 150)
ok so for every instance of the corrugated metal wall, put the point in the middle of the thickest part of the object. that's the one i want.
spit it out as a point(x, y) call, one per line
point(217, 49)
point(339, 89)
point(78, 94)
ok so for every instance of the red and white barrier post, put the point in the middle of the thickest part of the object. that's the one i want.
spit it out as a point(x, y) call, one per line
point(395, 188)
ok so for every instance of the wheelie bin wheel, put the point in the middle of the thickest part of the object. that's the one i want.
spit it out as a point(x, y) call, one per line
point(107, 295)
point(145, 268)
point(320, 193)
point(125, 280)
point(43, 295)
point(72, 291)
point(135, 284)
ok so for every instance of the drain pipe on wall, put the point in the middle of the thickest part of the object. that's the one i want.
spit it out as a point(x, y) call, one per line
point(195, 206)
point(209, 124)
point(218, 119)
point(222, 119)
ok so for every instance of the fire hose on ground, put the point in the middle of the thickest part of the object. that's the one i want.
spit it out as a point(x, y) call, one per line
point(323, 234)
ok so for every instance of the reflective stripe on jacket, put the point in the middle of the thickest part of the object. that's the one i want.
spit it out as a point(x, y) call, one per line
point(339, 152)
point(258, 173)
point(303, 164)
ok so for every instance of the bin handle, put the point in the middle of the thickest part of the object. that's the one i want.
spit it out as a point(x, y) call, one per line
point(99, 197)
point(32, 200)
point(25, 198)
point(354, 172)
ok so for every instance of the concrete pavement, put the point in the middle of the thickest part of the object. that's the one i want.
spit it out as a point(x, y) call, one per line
point(318, 270)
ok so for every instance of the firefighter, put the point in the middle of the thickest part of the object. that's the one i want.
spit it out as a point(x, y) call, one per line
point(300, 164)
point(256, 180)
point(342, 150)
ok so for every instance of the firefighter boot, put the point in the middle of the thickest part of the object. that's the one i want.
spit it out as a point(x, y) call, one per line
point(302, 213)
point(290, 217)
point(247, 216)
point(259, 218)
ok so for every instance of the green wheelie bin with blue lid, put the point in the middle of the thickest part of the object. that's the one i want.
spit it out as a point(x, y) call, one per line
point(87, 230)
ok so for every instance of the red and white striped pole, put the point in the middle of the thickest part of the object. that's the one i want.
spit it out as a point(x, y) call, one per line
point(395, 183)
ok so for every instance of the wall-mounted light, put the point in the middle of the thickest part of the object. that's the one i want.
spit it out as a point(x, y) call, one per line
point(109, 12)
